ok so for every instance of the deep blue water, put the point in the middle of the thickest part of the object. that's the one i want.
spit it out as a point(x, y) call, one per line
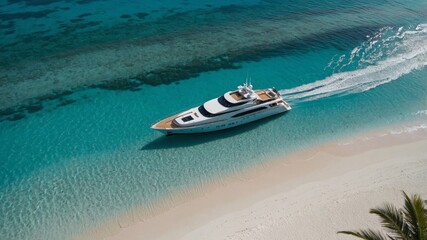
point(67, 169)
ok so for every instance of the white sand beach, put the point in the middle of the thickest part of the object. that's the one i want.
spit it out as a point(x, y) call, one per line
point(309, 195)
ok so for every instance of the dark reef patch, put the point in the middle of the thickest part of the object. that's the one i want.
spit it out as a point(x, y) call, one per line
point(32, 108)
point(55, 95)
point(172, 10)
point(8, 111)
point(232, 8)
point(8, 46)
point(33, 2)
point(141, 15)
point(16, 117)
point(82, 2)
point(230, 60)
point(74, 20)
point(25, 15)
point(30, 38)
point(75, 36)
point(65, 102)
point(42, 32)
point(119, 84)
point(125, 16)
point(8, 25)
point(35, 105)
point(169, 75)
point(68, 30)
point(257, 53)
point(176, 73)
point(84, 15)
point(85, 25)
point(47, 39)
point(9, 32)
point(172, 74)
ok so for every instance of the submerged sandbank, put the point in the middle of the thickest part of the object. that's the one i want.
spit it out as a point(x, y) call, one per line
point(315, 192)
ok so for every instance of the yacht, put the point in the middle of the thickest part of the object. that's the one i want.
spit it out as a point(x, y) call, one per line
point(232, 109)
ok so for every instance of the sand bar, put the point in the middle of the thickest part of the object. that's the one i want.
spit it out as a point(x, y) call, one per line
point(312, 193)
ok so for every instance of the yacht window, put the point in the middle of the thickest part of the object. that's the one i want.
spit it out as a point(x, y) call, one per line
point(228, 104)
point(269, 93)
point(188, 118)
point(205, 112)
point(250, 111)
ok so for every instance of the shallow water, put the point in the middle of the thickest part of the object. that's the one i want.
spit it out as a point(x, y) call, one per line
point(66, 169)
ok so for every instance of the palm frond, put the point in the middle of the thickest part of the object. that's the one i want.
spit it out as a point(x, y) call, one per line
point(420, 215)
point(409, 223)
point(415, 215)
point(393, 220)
point(365, 234)
point(419, 206)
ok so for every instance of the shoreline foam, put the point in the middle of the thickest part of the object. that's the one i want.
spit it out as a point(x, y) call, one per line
point(229, 204)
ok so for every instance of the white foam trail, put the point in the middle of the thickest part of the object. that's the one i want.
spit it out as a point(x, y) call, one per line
point(409, 53)
point(409, 129)
point(421, 112)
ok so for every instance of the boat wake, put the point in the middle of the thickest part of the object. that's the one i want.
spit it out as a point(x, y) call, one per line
point(384, 57)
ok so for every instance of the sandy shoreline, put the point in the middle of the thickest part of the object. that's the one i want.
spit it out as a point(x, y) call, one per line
point(312, 193)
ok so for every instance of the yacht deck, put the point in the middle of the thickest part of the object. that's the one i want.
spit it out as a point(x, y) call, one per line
point(263, 95)
point(236, 95)
point(166, 123)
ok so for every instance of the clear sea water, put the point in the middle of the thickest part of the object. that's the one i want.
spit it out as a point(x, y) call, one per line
point(66, 170)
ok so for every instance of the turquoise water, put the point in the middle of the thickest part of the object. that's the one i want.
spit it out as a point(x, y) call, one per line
point(65, 170)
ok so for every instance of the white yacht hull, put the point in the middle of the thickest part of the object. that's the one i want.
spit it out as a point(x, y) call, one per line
point(226, 123)
point(232, 109)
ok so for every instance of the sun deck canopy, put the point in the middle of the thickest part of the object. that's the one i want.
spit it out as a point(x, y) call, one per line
point(214, 107)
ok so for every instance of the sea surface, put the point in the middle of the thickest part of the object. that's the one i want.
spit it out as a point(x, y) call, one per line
point(74, 162)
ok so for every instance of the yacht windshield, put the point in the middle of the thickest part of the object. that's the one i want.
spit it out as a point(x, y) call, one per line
point(208, 114)
point(228, 104)
point(205, 112)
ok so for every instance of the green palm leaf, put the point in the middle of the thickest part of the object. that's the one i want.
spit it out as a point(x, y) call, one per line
point(393, 220)
point(415, 215)
point(365, 234)
point(410, 223)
